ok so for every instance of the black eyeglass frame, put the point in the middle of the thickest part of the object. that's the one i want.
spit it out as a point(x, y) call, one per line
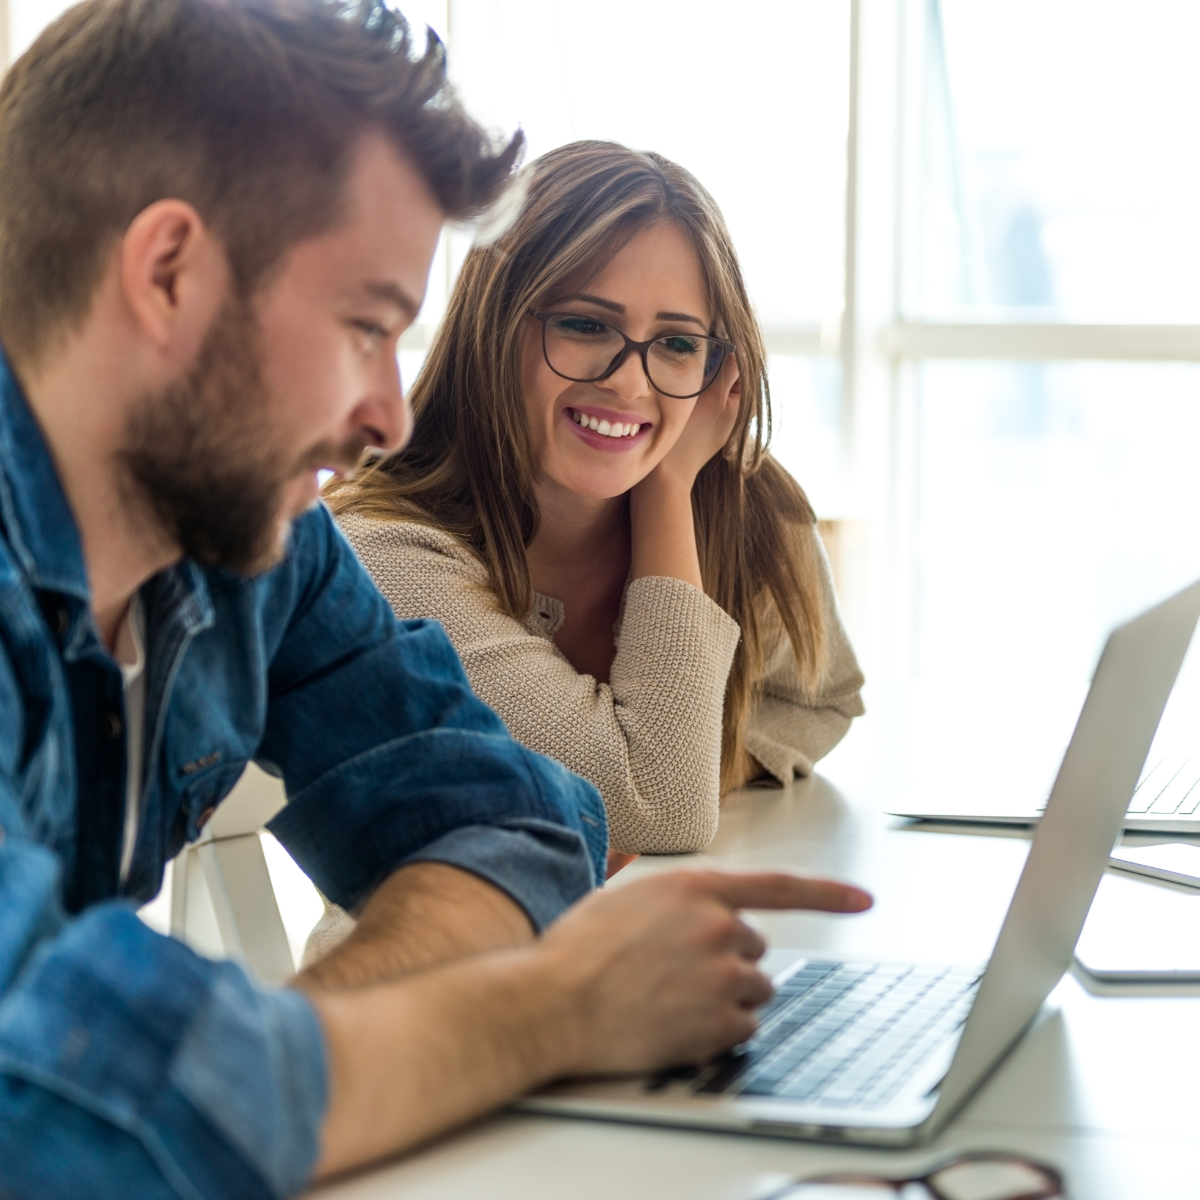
point(1054, 1177)
point(642, 348)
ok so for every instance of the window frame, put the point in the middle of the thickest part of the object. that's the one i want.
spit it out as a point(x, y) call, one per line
point(881, 348)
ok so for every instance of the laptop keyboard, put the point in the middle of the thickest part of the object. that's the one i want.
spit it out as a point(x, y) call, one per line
point(1170, 787)
point(844, 1033)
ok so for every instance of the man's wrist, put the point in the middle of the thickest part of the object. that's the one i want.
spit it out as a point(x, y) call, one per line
point(424, 914)
point(561, 1029)
point(488, 1029)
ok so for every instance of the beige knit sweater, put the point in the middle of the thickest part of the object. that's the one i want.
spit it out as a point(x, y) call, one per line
point(650, 739)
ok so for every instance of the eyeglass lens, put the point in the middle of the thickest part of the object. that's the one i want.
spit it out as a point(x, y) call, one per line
point(978, 1180)
point(583, 349)
point(982, 1180)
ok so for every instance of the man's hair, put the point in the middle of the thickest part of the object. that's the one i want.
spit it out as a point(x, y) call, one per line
point(250, 110)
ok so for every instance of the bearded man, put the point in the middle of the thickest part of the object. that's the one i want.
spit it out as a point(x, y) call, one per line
point(216, 219)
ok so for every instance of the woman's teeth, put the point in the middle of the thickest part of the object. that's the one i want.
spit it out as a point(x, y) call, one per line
point(606, 428)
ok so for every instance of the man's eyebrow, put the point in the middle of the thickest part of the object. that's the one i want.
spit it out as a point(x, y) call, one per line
point(392, 293)
point(613, 306)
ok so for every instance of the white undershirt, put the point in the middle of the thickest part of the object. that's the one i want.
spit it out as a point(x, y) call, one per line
point(131, 658)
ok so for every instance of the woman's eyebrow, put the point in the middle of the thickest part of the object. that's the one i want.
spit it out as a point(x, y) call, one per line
point(613, 306)
point(669, 316)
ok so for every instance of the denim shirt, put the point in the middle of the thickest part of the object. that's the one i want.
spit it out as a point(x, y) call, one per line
point(129, 1065)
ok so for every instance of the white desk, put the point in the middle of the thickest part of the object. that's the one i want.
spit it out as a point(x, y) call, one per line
point(1105, 1088)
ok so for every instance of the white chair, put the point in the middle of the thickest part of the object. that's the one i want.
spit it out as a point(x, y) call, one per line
point(222, 901)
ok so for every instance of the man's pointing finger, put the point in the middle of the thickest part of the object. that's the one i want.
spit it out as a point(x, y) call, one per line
point(775, 889)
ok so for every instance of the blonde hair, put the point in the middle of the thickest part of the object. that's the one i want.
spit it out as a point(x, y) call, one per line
point(469, 468)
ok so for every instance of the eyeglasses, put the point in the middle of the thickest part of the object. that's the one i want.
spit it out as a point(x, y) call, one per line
point(585, 350)
point(981, 1176)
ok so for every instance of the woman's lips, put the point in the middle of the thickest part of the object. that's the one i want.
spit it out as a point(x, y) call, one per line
point(606, 430)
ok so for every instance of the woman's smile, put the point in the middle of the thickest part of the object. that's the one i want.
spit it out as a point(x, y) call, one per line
point(606, 429)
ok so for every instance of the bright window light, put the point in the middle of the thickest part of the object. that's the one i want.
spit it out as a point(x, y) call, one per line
point(1054, 500)
point(27, 18)
point(752, 97)
point(1059, 177)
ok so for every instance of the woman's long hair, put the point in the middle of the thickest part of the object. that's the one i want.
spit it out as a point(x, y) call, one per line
point(469, 468)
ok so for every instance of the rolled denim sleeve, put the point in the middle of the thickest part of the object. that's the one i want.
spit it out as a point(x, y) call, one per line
point(389, 757)
point(541, 866)
point(130, 1066)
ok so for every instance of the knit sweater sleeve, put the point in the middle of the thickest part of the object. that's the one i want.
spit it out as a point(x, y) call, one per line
point(791, 727)
point(649, 740)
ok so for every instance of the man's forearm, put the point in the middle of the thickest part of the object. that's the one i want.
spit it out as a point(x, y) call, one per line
point(659, 972)
point(425, 914)
point(411, 1058)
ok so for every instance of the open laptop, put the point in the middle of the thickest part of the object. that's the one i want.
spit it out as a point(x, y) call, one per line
point(1166, 800)
point(884, 1054)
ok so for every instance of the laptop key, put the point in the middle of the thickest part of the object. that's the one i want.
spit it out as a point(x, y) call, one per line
point(860, 1050)
point(727, 1070)
point(1191, 800)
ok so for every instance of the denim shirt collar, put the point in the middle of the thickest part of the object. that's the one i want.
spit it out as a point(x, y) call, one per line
point(37, 518)
point(41, 529)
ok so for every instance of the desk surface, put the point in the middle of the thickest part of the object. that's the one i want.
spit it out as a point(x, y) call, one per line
point(1103, 1087)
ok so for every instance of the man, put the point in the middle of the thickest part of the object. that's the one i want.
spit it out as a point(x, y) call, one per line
point(216, 219)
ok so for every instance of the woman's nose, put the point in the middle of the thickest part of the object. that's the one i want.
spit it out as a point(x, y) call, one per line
point(629, 380)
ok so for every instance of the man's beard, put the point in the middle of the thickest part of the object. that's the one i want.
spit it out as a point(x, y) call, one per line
point(199, 455)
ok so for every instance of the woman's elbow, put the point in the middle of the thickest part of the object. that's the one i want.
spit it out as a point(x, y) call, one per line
point(672, 832)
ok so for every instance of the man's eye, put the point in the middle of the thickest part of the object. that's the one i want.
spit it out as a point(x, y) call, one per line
point(370, 328)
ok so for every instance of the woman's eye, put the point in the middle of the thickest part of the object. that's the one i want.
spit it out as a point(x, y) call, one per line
point(680, 345)
point(580, 327)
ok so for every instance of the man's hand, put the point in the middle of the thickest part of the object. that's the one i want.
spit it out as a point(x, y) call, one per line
point(658, 972)
point(424, 914)
point(664, 969)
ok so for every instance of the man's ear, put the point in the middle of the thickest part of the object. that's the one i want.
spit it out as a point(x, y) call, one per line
point(174, 276)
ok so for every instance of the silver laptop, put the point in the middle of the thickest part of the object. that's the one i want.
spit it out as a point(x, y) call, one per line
point(884, 1054)
point(1166, 800)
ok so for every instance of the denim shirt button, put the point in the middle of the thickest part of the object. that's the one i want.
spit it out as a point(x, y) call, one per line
point(62, 621)
point(204, 818)
point(110, 725)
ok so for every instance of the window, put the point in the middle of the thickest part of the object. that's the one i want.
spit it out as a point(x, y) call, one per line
point(1057, 180)
point(970, 232)
point(1047, 252)
point(25, 20)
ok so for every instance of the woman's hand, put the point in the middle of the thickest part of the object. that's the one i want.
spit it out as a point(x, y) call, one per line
point(708, 428)
point(660, 507)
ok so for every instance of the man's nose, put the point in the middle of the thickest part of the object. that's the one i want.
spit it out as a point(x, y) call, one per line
point(385, 418)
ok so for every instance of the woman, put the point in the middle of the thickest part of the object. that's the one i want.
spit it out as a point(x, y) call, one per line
point(587, 504)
